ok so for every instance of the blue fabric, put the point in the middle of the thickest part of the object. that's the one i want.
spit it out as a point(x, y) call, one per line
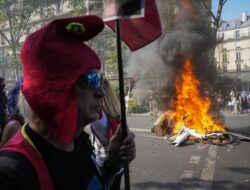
point(13, 97)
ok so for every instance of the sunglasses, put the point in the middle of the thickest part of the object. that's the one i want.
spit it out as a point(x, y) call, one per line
point(94, 80)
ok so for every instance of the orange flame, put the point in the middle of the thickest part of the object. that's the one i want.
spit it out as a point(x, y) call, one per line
point(189, 13)
point(190, 109)
point(186, 4)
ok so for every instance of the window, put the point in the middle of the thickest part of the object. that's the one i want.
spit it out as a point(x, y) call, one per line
point(176, 10)
point(1, 56)
point(224, 25)
point(238, 23)
point(224, 67)
point(224, 57)
point(238, 44)
point(238, 56)
point(222, 35)
point(59, 6)
point(2, 41)
point(237, 33)
point(238, 66)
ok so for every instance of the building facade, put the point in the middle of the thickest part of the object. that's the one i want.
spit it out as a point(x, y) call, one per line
point(232, 54)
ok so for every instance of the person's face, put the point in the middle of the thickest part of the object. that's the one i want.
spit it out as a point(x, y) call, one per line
point(89, 93)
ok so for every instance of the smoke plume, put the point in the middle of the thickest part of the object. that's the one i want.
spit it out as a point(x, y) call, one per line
point(158, 64)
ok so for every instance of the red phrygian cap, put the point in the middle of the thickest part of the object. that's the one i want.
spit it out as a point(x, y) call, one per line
point(53, 58)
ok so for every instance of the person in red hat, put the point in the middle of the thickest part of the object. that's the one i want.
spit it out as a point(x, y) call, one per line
point(60, 94)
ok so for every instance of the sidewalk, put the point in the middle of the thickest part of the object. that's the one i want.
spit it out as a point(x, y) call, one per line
point(139, 114)
point(229, 113)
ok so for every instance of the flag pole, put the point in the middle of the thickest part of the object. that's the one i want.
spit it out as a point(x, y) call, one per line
point(122, 100)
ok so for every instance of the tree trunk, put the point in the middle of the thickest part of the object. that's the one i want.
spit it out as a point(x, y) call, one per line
point(15, 61)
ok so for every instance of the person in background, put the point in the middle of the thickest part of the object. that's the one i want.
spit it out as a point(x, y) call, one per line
point(104, 128)
point(3, 103)
point(244, 102)
point(14, 119)
point(232, 94)
point(60, 95)
point(128, 101)
point(248, 100)
point(230, 106)
point(236, 103)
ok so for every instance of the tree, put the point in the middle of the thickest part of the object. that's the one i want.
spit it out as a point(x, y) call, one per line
point(216, 23)
point(202, 7)
point(18, 18)
point(216, 18)
point(168, 11)
point(78, 7)
point(15, 22)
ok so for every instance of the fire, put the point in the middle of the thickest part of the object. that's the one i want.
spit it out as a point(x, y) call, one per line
point(189, 10)
point(190, 109)
point(186, 4)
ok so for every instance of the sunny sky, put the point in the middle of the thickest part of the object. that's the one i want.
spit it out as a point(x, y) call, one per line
point(233, 8)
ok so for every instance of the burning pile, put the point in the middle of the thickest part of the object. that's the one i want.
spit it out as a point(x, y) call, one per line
point(181, 70)
point(190, 109)
point(190, 116)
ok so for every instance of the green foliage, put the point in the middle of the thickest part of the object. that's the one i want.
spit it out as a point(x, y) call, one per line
point(105, 46)
point(111, 60)
point(111, 63)
point(78, 7)
point(142, 103)
point(104, 43)
point(3, 16)
point(115, 86)
point(15, 17)
point(142, 106)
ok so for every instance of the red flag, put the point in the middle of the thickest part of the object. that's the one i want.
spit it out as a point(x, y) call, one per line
point(139, 32)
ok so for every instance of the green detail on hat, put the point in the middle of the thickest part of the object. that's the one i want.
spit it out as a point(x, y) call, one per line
point(76, 28)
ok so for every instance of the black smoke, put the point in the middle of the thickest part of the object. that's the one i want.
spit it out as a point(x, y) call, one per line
point(159, 64)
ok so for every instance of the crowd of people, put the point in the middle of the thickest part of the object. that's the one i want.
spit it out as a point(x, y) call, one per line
point(239, 102)
point(44, 144)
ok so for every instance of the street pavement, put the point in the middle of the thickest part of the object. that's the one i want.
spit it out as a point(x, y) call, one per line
point(160, 165)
